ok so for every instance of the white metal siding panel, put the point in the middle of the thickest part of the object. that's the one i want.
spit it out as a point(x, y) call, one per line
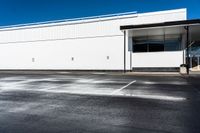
point(158, 59)
point(88, 54)
point(101, 28)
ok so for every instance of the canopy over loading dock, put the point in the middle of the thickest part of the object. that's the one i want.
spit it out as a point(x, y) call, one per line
point(164, 45)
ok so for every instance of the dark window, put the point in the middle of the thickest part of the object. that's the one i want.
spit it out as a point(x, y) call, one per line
point(156, 47)
point(172, 45)
point(140, 48)
point(195, 45)
point(156, 43)
point(195, 48)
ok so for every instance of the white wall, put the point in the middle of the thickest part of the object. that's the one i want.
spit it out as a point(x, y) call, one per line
point(88, 41)
point(157, 59)
point(87, 53)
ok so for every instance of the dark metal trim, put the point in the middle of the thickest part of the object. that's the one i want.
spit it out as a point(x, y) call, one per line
point(156, 69)
point(173, 23)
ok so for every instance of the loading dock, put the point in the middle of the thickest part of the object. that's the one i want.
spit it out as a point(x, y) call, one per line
point(164, 46)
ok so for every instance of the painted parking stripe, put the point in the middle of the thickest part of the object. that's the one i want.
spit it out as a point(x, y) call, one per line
point(156, 97)
point(118, 90)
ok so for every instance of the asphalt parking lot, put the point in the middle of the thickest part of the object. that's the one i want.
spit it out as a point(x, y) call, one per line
point(99, 102)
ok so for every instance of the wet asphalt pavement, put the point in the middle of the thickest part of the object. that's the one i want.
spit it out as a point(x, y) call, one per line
point(99, 103)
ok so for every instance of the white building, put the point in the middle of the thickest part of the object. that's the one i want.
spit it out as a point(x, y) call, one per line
point(129, 41)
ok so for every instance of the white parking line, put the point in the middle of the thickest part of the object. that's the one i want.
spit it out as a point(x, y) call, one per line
point(118, 90)
point(156, 97)
point(98, 73)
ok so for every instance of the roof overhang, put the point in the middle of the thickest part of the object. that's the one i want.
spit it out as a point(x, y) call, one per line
point(162, 25)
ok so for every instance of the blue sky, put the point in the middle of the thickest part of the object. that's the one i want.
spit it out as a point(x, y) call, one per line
point(30, 11)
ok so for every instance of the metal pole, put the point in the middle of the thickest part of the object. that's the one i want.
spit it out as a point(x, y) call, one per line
point(191, 61)
point(124, 51)
point(187, 49)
